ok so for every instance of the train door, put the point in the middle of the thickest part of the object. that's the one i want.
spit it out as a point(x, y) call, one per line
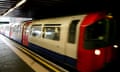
point(52, 40)
point(25, 34)
point(71, 45)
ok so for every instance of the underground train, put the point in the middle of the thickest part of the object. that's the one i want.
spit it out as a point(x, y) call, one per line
point(82, 42)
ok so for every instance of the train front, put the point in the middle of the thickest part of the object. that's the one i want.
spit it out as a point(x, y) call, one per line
point(95, 46)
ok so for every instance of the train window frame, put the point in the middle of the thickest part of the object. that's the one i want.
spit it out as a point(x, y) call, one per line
point(55, 32)
point(36, 33)
point(72, 31)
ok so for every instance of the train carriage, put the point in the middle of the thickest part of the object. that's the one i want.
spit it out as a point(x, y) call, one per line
point(16, 31)
point(51, 36)
point(82, 42)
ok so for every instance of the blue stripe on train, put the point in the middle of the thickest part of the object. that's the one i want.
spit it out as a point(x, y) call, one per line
point(17, 40)
point(52, 55)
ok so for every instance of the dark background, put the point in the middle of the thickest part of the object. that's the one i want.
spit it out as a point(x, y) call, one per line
point(51, 8)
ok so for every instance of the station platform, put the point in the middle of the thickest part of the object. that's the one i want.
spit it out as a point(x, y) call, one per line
point(10, 62)
point(16, 58)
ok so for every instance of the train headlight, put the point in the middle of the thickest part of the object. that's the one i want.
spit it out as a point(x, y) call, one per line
point(97, 52)
point(115, 46)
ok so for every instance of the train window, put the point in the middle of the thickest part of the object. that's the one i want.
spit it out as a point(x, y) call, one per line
point(36, 31)
point(99, 34)
point(72, 31)
point(52, 32)
point(4, 22)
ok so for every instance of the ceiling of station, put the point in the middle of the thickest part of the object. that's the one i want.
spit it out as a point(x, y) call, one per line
point(49, 8)
point(5, 5)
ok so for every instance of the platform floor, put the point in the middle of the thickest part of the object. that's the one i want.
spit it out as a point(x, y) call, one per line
point(16, 58)
point(10, 62)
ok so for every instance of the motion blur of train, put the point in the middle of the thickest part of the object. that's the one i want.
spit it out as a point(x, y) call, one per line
point(83, 42)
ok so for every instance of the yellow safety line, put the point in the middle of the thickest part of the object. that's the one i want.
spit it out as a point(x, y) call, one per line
point(54, 69)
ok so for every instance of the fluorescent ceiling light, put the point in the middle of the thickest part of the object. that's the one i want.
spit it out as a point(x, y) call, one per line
point(17, 5)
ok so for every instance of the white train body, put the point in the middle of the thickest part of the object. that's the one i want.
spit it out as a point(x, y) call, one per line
point(60, 46)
